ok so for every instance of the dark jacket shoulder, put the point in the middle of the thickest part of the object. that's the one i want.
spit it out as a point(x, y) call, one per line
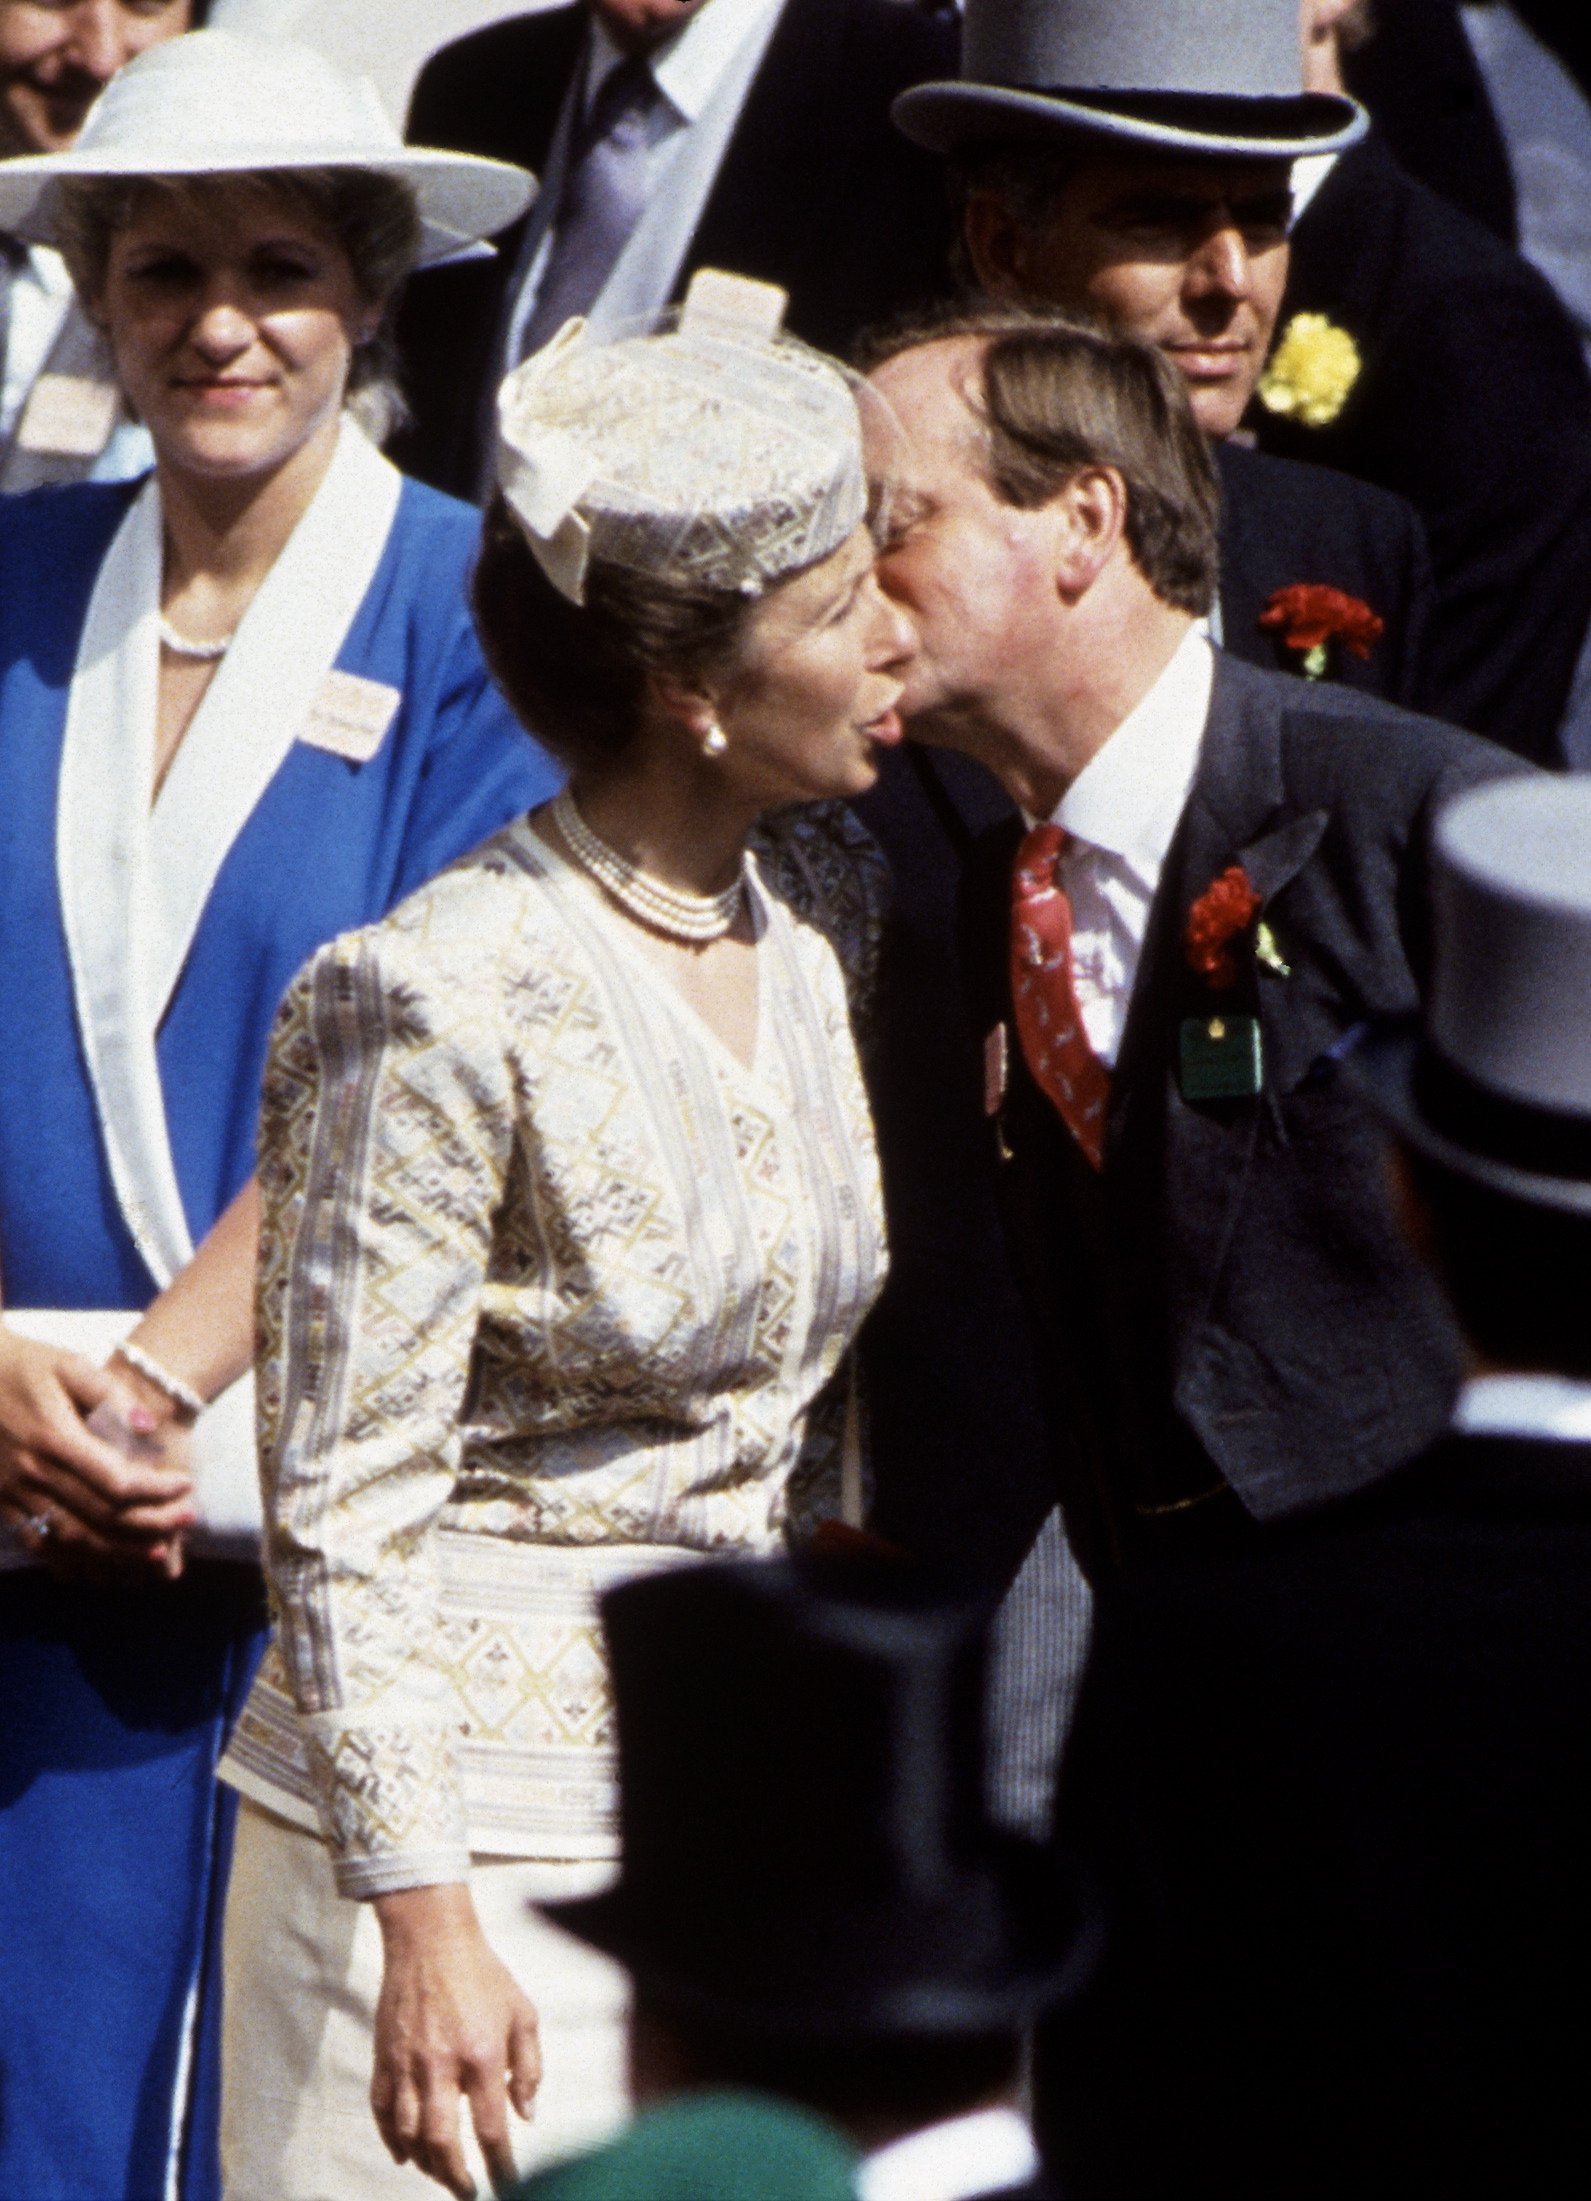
point(1474, 402)
point(1285, 521)
point(497, 91)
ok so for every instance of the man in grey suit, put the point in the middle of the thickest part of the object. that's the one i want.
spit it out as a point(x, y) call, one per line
point(1221, 880)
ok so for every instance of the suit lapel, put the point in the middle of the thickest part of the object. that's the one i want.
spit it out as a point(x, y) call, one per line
point(1186, 1164)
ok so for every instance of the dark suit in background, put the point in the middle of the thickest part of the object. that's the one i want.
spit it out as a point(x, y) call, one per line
point(817, 191)
point(1474, 403)
point(1423, 86)
point(1283, 522)
point(1336, 1784)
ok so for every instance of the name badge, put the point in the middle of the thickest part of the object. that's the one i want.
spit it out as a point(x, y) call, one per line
point(350, 716)
point(1220, 1057)
point(68, 416)
point(996, 1068)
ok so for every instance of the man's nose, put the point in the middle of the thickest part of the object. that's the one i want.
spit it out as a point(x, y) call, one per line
point(100, 37)
point(895, 636)
point(1221, 266)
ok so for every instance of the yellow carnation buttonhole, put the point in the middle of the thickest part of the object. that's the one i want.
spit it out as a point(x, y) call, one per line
point(1311, 372)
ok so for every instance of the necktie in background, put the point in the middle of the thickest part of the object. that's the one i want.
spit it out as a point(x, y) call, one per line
point(603, 195)
point(1048, 1022)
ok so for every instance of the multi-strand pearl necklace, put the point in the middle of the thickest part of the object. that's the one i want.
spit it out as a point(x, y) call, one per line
point(671, 910)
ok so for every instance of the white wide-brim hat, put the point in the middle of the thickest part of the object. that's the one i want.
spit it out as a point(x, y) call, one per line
point(225, 102)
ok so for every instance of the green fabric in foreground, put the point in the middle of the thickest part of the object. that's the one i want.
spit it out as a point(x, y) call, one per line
point(710, 2147)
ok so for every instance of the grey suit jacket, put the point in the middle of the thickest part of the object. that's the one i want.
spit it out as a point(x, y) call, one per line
point(1257, 1305)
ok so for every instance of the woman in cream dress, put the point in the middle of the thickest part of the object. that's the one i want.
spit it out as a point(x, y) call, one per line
point(571, 1215)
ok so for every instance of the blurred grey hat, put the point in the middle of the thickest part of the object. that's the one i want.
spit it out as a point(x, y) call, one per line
point(1497, 1083)
point(1175, 76)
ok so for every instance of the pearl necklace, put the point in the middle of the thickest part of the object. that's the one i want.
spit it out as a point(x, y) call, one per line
point(180, 646)
point(671, 910)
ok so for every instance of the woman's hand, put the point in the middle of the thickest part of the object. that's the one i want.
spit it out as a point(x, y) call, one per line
point(451, 2022)
point(81, 1506)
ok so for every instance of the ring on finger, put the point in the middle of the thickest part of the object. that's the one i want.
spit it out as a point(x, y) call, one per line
point(40, 1525)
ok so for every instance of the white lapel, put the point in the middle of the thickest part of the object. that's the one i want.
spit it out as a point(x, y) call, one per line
point(134, 886)
point(260, 700)
point(102, 855)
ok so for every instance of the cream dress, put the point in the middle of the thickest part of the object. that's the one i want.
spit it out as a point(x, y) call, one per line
point(555, 1291)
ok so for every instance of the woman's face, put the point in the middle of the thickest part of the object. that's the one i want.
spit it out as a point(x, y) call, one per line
point(812, 697)
point(233, 324)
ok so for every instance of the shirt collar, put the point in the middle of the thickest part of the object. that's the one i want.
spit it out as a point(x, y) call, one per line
point(981, 2153)
point(1525, 1406)
point(1310, 171)
point(689, 67)
point(1129, 796)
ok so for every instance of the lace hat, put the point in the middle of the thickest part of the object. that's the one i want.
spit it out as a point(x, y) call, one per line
point(714, 449)
point(1197, 76)
point(222, 102)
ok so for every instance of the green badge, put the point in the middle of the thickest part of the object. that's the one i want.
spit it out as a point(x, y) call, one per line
point(1220, 1057)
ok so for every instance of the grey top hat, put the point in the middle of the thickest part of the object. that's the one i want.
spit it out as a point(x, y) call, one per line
point(1178, 76)
point(1498, 1084)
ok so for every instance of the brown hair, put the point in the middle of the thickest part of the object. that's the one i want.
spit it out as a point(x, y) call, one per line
point(1027, 178)
point(1057, 397)
point(372, 217)
point(576, 674)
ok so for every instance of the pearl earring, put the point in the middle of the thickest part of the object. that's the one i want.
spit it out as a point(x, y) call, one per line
point(715, 741)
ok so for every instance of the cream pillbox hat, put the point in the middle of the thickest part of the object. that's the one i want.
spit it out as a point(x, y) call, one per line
point(221, 102)
point(716, 450)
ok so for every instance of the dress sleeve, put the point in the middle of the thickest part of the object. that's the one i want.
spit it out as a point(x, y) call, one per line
point(826, 865)
point(385, 1142)
point(481, 768)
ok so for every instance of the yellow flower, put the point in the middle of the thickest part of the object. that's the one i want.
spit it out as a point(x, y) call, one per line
point(1311, 372)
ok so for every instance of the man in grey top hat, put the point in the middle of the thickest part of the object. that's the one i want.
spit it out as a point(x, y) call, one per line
point(1336, 1783)
point(1137, 163)
point(1132, 164)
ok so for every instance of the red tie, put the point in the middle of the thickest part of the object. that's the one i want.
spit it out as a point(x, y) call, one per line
point(1048, 1021)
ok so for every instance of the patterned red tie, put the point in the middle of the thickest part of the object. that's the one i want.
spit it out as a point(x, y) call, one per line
point(1048, 1021)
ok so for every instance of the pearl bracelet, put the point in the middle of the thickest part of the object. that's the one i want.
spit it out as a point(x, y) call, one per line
point(172, 1387)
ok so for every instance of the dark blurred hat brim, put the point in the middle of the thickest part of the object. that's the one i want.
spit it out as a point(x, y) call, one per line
point(862, 1979)
point(1384, 1068)
point(951, 116)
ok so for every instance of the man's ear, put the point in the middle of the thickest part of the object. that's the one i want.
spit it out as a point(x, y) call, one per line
point(1090, 517)
point(996, 246)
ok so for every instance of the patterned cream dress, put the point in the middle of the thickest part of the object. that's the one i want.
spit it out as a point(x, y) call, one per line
point(555, 1290)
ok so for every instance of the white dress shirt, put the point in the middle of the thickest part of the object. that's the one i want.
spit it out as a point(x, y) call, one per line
point(1310, 171)
point(704, 73)
point(982, 2153)
point(1121, 812)
point(1525, 1406)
